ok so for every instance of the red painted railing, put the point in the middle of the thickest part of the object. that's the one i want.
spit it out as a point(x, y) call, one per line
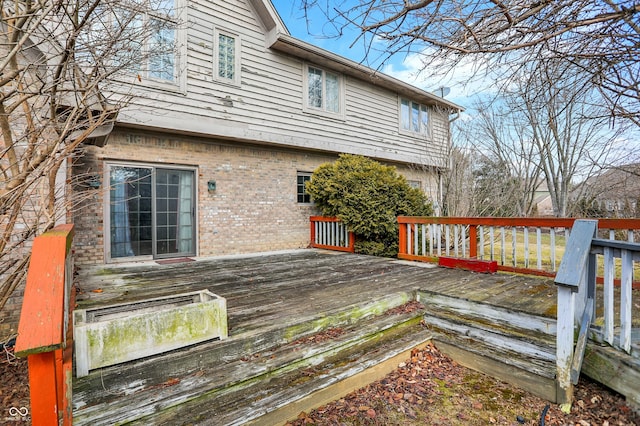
point(524, 245)
point(329, 233)
point(44, 331)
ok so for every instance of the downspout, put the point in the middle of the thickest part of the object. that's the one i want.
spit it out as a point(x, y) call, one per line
point(440, 183)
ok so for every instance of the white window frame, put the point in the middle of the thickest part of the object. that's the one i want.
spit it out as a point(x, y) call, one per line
point(305, 193)
point(424, 130)
point(217, 32)
point(179, 82)
point(306, 107)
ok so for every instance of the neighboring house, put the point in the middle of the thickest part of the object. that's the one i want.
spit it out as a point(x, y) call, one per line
point(212, 154)
point(542, 204)
point(613, 193)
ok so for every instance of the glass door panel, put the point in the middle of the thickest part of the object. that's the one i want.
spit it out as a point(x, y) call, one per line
point(174, 212)
point(130, 211)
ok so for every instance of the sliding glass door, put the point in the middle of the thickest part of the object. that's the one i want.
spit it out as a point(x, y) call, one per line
point(151, 212)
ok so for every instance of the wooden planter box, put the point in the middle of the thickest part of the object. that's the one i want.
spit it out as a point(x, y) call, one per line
point(119, 333)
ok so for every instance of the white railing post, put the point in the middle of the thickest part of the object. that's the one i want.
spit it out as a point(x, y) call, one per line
point(569, 283)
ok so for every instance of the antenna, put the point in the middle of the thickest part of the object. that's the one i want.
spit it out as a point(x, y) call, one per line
point(442, 91)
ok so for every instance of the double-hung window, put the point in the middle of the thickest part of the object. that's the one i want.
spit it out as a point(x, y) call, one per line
point(323, 91)
point(414, 117)
point(226, 57)
point(143, 37)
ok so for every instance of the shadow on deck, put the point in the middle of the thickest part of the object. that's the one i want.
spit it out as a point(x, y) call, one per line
point(271, 364)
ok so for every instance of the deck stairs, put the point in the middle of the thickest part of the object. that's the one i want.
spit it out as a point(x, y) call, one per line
point(256, 378)
point(270, 377)
point(514, 346)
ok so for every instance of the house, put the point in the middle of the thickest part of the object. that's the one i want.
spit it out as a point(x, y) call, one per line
point(612, 193)
point(223, 126)
point(211, 155)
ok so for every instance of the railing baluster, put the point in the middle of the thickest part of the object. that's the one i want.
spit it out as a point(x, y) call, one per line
point(608, 297)
point(503, 249)
point(481, 232)
point(492, 244)
point(539, 247)
point(447, 239)
point(514, 246)
point(456, 235)
point(463, 240)
point(552, 243)
point(416, 236)
point(626, 282)
point(424, 240)
point(439, 239)
point(526, 247)
point(432, 239)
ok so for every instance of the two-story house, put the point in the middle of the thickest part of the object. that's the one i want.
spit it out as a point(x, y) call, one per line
point(211, 155)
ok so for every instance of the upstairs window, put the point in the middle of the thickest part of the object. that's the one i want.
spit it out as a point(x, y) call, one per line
point(323, 91)
point(227, 57)
point(414, 117)
point(144, 41)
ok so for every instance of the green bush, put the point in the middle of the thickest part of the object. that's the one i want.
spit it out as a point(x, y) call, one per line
point(367, 196)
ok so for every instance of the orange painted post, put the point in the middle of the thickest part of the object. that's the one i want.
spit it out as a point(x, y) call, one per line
point(312, 221)
point(42, 383)
point(42, 327)
point(473, 241)
point(402, 238)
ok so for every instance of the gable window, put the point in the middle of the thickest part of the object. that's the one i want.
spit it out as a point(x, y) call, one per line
point(414, 117)
point(226, 57)
point(303, 195)
point(323, 90)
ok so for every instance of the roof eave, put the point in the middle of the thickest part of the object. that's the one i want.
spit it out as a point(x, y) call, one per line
point(298, 48)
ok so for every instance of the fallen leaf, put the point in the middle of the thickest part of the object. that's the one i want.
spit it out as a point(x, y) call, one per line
point(97, 290)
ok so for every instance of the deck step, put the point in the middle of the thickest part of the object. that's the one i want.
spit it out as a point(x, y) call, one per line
point(516, 347)
point(200, 379)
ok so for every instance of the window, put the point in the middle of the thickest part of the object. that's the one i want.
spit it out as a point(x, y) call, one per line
point(145, 35)
point(415, 184)
point(226, 57)
point(414, 117)
point(323, 91)
point(303, 196)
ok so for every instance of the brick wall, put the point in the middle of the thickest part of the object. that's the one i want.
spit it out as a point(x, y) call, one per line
point(254, 207)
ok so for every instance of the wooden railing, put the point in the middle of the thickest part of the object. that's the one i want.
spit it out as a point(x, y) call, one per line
point(523, 245)
point(576, 281)
point(44, 331)
point(330, 233)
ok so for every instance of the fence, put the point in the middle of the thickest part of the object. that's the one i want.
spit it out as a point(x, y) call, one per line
point(330, 233)
point(524, 245)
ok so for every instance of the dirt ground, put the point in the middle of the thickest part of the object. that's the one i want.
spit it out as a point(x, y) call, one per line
point(428, 389)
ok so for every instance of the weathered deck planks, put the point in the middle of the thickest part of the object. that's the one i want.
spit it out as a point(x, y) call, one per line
point(266, 293)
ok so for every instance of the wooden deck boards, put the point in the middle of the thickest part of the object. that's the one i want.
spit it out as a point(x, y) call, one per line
point(268, 293)
point(268, 287)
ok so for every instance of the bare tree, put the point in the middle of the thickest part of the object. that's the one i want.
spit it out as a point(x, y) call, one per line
point(600, 36)
point(55, 59)
point(550, 126)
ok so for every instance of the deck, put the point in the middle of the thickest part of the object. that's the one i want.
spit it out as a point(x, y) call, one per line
point(269, 288)
point(278, 291)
